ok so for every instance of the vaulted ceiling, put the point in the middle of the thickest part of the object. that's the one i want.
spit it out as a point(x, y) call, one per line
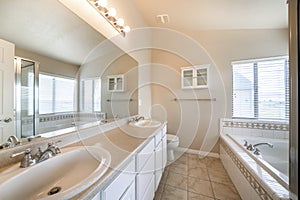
point(216, 14)
point(48, 28)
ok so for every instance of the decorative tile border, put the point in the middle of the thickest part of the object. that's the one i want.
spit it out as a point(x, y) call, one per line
point(247, 174)
point(255, 124)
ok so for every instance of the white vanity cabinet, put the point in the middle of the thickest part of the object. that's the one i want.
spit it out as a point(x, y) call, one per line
point(121, 186)
point(160, 155)
point(145, 163)
point(139, 179)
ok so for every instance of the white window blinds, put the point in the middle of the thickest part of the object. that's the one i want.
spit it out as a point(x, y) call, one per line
point(90, 95)
point(56, 94)
point(260, 89)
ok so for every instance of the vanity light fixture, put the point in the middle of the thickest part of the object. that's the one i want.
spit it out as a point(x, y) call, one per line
point(110, 14)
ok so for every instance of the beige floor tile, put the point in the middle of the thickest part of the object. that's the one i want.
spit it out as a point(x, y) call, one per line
point(171, 193)
point(160, 187)
point(164, 177)
point(198, 186)
point(179, 168)
point(194, 161)
point(180, 158)
point(219, 176)
point(198, 172)
point(194, 196)
point(213, 163)
point(177, 180)
point(225, 192)
point(157, 196)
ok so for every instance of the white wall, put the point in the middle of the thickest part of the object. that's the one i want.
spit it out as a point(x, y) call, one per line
point(49, 65)
point(197, 124)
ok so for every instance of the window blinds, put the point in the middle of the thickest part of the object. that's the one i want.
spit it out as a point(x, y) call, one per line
point(260, 89)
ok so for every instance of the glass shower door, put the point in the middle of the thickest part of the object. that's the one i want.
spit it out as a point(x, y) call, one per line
point(25, 97)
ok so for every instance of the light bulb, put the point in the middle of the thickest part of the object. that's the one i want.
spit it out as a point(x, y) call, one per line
point(120, 22)
point(126, 29)
point(102, 3)
point(112, 12)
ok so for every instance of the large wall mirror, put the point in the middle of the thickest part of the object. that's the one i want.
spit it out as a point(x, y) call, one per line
point(66, 73)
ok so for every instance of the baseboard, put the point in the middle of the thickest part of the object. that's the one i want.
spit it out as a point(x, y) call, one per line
point(201, 154)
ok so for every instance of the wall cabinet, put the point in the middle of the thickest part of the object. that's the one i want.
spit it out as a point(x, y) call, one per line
point(116, 83)
point(194, 77)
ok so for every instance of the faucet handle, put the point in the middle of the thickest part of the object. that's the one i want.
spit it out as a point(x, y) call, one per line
point(257, 151)
point(246, 143)
point(27, 160)
point(250, 147)
point(54, 146)
point(27, 151)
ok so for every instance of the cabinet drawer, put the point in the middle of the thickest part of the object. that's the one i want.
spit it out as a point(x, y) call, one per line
point(144, 155)
point(117, 187)
point(145, 176)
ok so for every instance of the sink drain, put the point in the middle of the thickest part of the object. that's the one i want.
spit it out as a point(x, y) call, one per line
point(54, 190)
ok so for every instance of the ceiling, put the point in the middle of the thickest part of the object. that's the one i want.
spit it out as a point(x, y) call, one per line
point(48, 28)
point(216, 14)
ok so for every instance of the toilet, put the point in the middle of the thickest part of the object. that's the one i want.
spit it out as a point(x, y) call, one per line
point(172, 143)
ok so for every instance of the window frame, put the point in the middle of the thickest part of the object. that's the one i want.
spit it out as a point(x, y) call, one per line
point(255, 87)
point(54, 92)
point(82, 90)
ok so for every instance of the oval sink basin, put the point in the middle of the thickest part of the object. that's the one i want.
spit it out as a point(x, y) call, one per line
point(60, 177)
point(146, 123)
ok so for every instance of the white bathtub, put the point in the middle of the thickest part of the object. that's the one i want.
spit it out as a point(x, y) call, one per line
point(262, 176)
point(275, 160)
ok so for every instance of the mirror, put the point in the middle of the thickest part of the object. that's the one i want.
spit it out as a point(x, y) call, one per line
point(81, 76)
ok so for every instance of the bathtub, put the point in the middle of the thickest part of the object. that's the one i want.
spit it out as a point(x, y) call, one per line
point(274, 160)
point(263, 176)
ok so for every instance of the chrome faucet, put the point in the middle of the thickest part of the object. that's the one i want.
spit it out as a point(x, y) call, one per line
point(13, 140)
point(27, 160)
point(40, 156)
point(139, 118)
point(52, 150)
point(263, 143)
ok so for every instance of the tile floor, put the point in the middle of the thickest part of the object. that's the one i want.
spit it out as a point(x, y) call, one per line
point(192, 178)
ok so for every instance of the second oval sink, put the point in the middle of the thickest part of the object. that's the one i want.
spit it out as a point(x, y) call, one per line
point(146, 123)
point(60, 177)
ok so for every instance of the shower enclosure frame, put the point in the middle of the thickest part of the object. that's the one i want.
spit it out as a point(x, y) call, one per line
point(18, 96)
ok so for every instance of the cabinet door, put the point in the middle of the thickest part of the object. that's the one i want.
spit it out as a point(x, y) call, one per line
point(149, 194)
point(187, 76)
point(111, 83)
point(130, 193)
point(144, 177)
point(158, 164)
point(201, 77)
point(118, 186)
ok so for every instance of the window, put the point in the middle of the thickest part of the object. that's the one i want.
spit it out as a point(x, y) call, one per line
point(56, 94)
point(91, 95)
point(260, 89)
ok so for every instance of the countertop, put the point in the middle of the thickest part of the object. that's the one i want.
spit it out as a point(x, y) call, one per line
point(123, 143)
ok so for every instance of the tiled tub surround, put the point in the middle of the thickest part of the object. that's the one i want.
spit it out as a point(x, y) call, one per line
point(52, 122)
point(253, 177)
point(58, 121)
point(120, 139)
